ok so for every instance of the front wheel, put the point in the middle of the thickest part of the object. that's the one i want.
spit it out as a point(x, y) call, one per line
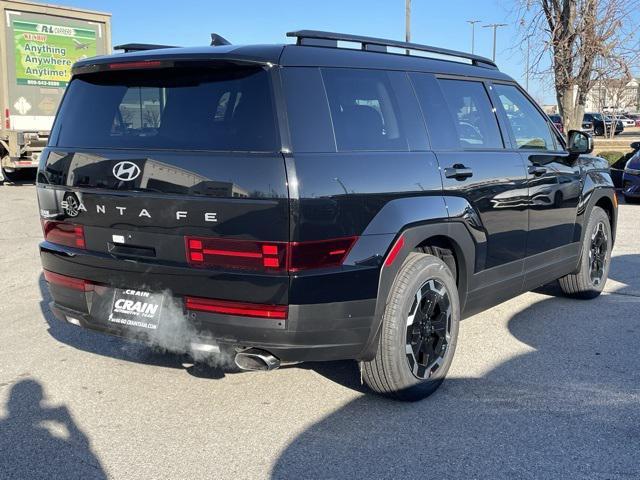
point(419, 331)
point(593, 271)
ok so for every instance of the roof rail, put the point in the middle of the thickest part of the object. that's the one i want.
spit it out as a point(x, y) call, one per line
point(140, 47)
point(331, 39)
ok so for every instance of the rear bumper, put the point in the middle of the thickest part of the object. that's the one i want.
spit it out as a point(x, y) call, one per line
point(311, 332)
point(332, 331)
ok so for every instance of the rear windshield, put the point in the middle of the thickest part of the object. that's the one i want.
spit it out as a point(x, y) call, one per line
point(170, 109)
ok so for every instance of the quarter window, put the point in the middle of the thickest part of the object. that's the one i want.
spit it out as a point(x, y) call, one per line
point(364, 110)
point(472, 113)
point(529, 127)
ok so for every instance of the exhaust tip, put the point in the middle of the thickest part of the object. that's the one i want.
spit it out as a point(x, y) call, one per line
point(255, 359)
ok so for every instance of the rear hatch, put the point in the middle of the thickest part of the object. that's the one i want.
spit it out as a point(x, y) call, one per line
point(169, 179)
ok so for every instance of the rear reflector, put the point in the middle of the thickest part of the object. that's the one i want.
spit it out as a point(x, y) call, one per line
point(242, 254)
point(68, 282)
point(64, 233)
point(225, 307)
point(394, 252)
point(126, 65)
point(319, 254)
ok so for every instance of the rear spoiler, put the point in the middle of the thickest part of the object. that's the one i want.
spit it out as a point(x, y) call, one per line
point(216, 40)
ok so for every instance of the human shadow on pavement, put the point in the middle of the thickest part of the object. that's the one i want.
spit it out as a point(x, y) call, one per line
point(566, 408)
point(38, 441)
point(120, 348)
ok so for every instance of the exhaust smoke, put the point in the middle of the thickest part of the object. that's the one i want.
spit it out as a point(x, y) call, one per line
point(175, 333)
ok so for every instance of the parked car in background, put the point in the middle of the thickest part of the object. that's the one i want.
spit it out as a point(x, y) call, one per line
point(599, 123)
point(635, 117)
point(631, 176)
point(627, 121)
point(587, 126)
point(557, 122)
point(617, 168)
point(556, 119)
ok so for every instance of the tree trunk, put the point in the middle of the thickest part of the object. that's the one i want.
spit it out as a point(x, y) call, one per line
point(571, 113)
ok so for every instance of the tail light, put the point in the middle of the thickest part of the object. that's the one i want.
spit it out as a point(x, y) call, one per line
point(214, 252)
point(63, 233)
point(129, 65)
point(320, 254)
point(267, 256)
point(68, 282)
point(7, 119)
point(225, 307)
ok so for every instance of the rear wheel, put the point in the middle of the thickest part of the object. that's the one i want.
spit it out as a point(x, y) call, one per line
point(588, 282)
point(419, 331)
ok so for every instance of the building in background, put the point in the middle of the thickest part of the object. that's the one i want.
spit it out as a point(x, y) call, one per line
point(614, 95)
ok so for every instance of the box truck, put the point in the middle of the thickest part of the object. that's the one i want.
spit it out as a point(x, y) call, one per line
point(38, 45)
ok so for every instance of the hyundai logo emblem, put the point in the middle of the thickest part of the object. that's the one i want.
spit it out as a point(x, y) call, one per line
point(126, 171)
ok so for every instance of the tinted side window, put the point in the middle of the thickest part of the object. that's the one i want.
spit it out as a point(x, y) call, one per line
point(475, 121)
point(529, 127)
point(364, 110)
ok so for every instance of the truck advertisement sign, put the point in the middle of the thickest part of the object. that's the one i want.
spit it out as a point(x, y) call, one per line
point(44, 53)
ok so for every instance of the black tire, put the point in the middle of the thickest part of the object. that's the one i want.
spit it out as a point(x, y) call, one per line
point(409, 376)
point(557, 200)
point(10, 176)
point(591, 277)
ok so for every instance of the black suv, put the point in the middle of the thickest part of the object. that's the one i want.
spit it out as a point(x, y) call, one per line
point(310, 202)
point(599, 122)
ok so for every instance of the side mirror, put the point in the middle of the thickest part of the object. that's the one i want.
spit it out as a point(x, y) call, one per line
point(580, 143)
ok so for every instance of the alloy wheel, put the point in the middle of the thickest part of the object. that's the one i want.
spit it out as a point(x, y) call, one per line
point(598, 254)
point(428, 329)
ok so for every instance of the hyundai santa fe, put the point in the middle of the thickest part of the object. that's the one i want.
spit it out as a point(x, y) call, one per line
point(309, 202)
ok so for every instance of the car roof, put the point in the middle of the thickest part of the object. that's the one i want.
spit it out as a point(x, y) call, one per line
point(304, 56)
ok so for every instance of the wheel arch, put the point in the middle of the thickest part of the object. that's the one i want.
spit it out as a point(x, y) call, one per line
point(442, 233)
point(603, 197)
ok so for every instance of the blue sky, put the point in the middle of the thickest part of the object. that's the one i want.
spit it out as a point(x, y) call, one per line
point(434, 22)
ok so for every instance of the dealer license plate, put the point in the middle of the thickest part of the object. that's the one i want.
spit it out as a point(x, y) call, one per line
point(136, 309)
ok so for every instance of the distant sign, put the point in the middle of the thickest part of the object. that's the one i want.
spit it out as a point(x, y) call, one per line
point(45, 52)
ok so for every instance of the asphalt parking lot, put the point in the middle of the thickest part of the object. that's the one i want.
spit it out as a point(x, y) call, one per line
point(541, 387)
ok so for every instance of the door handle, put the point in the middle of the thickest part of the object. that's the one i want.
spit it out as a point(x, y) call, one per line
point(459, 172)
point(537, 170)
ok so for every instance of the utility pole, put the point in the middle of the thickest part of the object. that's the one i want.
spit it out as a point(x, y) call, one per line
point(495, 27)
point(528, 67)
point(473, 34)
point(407, 21)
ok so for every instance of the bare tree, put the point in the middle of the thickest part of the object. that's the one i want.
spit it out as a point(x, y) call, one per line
point(582, 39)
